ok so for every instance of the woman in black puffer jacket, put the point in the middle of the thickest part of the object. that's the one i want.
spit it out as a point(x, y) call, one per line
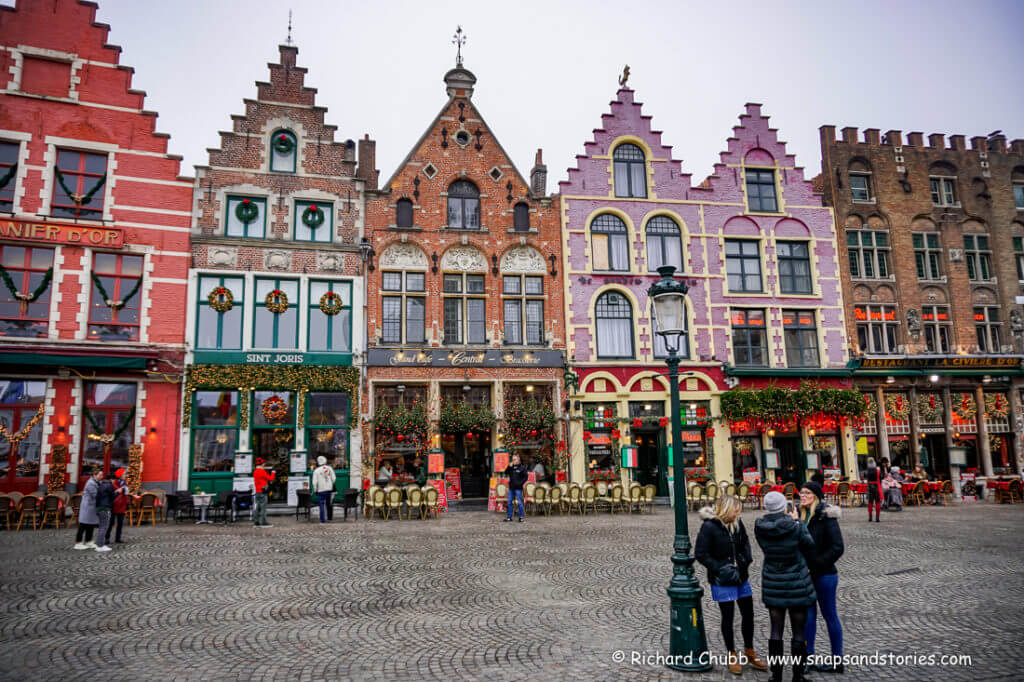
point(723, 548)
point(822, 521)
point(786, 583)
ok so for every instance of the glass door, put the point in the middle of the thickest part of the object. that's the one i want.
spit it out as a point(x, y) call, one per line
point(327, 431)
point(273, 437)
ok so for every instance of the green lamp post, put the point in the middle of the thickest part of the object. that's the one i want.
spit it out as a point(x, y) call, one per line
point(688, 643)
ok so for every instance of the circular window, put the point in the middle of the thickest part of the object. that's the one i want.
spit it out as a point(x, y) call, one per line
point(462, 137)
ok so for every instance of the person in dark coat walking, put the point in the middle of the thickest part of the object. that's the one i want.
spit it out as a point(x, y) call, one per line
point(104, 508)
point(786, 583)
point(873, 477)
point(724, 549)
point(822, 522)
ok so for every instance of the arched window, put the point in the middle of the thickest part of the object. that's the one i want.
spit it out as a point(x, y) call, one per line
point(860, 180)
point(284, 151)
point(614, 326)
point(609, 243)
point(630, 171)
point(404, 213)
point(463, 206)
point(521, 217)
point(664, 244)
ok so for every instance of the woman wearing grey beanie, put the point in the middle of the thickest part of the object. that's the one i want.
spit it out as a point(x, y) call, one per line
point(786, 583)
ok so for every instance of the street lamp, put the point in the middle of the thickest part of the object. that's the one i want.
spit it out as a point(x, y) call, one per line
point(688, 643)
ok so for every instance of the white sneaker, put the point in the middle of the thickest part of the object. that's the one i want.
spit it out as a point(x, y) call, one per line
point(81, 545)
point(90, 545)
point(267, 525)
point(105, 548)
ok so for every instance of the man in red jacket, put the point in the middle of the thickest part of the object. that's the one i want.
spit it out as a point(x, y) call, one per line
point(261, 479)
point(122, 498)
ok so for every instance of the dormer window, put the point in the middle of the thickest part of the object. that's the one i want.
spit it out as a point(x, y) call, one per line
point(463, 206)
point(630, 171)
point(403, 213)
point(79, 178)
point(284, 151)
point(521, 217)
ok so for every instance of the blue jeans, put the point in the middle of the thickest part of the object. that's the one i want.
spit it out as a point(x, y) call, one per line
point(324, 499)
point(825, 586)
point(515, 495)
point(259, 509)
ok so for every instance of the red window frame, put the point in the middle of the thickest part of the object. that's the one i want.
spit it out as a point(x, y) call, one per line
point(117, 284)
point(9, 152)
point(72, 166)
point(21, 413)
point(21, 275)
point(110, 424)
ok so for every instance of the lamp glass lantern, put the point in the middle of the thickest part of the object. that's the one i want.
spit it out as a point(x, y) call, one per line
point(668, 307)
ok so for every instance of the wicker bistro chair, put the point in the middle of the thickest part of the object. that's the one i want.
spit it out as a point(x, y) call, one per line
point(743, 492)
point(379, 502)
point(394, 501)
point(529, 491)
point(15, 497)
point(430, 499)
point(75, 503)
point(615, 498)
point(695, 495)
point(53, 510)
point(161, 502)
point(500, 495)
point(843, 494)
point(944, 495)
point(564, 487)
point(635, 499)
point(30, 506)
point(917, 495)
point(147, 507)
point(555, 500)
point(789, 490)
point(7, 509)
point(540, 499)
point(414, 502)
point(574, 500)
point(728, 488)
point(1013, 492)
point(589, 498)
point(368, 501)
point(603, 495)
point(649, 491)
point(711, 493)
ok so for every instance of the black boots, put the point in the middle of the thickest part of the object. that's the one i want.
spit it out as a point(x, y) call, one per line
point(776, 650)
point(798, 649)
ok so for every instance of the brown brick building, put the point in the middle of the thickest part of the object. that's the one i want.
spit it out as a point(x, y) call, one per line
point(275, 308)
point(933, 258)
point(464, 302)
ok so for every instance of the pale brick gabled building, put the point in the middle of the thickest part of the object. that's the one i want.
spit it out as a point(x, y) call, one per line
point(94, 244)
point(275, 300)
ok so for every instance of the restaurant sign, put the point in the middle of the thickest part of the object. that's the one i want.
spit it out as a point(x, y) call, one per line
point(50, 233)
point(464, 358)
point(220, 357)
point(944, 362)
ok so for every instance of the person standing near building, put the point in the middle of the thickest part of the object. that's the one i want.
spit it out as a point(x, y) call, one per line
point(421, 472)
point(87, 519)
point(262, 477)
point(323, 486)
point(517, 475)
point(122, 498)
point(873, 477)
point(822, 522)
point(104, 507)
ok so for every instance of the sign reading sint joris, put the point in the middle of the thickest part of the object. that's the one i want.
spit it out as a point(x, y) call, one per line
point(61, 234)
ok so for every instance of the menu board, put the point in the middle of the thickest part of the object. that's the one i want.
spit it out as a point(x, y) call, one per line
point(968, 487)
point(453, 483)
point(494, 503)
point(298, 462)
point(751, 477)
point(243, 484)
point(442, 497)
point(500, 461)
point(243, 463)
point(295, 484)
point(435, 462)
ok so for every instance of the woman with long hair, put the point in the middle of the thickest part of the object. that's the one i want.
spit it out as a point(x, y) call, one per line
point(786, 585)
point(873, 477)
point(822, 522)
point(724, 549)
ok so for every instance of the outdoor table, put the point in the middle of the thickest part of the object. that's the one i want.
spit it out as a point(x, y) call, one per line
point(202, 501)
point(908, 487)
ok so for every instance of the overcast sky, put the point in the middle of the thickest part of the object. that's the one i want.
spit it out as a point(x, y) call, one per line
point(547, 70)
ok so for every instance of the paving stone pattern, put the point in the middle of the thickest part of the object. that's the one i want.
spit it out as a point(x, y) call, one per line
point(470, 597)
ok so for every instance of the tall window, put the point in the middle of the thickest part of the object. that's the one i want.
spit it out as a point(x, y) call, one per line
point(937, 328)
point(749, 340)
point(78, 180)
point(521, 217)
point(860, 186)
point(877, 328)
point(927, 255)
point(284, 151)
point(327, 419)
point(609, 243)
point(214, 430)
point(523, 304)
point(314, 221)
point(464, 309)
point(630, 171)
point(276, 329)
point(794, 267)
point(801, 338)
point(614, 326)
point(403, 213)
point(1018, 195)
point(943, 191)
point(25, 298)
point(330, 316)
point(403, 307)
point(463, 206)
point(116, 297)
point(664, 244)
point(978, 257)
point(8, 172)
point(221, 306)
point(869, 253)
point(988, 325)
point(1018, 255)
point(20, 403)
point(246, 217)
point(743, 264)
point(761, 191)
point(108, 427)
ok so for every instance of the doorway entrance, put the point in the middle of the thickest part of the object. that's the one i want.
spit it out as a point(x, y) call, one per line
point(470, 453)
point(652, 459)
point(791, 465)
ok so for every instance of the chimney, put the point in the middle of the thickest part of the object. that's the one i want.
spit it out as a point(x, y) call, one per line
point(539, 176)
point(997, 142)
point(367, 161)
point(915, 139)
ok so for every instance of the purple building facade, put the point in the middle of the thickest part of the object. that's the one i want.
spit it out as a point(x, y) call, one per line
point(759, 252)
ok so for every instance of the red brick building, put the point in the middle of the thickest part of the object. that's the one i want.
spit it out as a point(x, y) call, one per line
point(275, 299)
point(94, 245)
point(465, 298)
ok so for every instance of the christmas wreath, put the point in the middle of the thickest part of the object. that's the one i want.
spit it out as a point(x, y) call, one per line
point(897, 407)
point(996, 406)
point(247, 211)
point(743, 447)
point(276, 301)
point(313, 217)
point(283, 144)
point(274, 409)
point(929, 406)
point(221, 300)
point(330, 303)
point(964, 407)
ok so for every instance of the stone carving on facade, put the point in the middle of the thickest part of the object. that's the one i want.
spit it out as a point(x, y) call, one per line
point(914, 321)
point(524, 259)
point(463, 259)
point(327, 261)
point(1017, 330)
point(403, 256)
point(222, 256)
point(277, 260)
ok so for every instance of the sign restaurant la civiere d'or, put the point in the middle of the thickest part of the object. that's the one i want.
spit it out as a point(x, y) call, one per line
point(58, 233)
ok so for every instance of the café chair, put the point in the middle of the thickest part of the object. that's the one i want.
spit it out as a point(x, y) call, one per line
point(589, 498)
point(1013, 492)
point(843, 494)
point(711, 492)
point(554, 500)
point(350, 500)
point(603, 496)
point(394, 501)
point(917, 495)
point(147, 507)
point(29, 506)
point(575, 499)
point(635, 498)
point(15, 497)
point(743, 492)
point(695, 494)
point(415, 502)
point(304, 501)
point(649, 492)
point(540, 499)
point(368, 501)
point(75, 503)
point(500, 495)
point(7, 509)
point(53, 510)
point(789, 490)
point(615, 498)
point(430, 500)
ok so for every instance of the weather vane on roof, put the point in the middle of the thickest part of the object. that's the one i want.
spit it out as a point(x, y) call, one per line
point(288, 40)
point(624, 77)
point(459, 39)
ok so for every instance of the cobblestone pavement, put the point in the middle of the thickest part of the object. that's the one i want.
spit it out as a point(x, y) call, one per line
point(470, 597)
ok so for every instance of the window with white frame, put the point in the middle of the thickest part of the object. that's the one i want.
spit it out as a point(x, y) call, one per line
point(220, 306)
point(943, 191)
point(664, 244)
point(869, 253)
point(630, 171)
point(938, 328)
point(743, 265)
point(794, 267)
point(988, 326)
point(403, 307)
point(465, 306)
point(8, 173)
point(245, 217)
point(330, 316)
point(609, 243)
point(314, 221)
point(749, 339)
point(978, 257)
point(801, 334)
point(79, 179)
point(614, 317)
point(284, 151)
point(877, 328)
point(523, 305)
point(860, 186)
point(1018, 255)
point(927, 255)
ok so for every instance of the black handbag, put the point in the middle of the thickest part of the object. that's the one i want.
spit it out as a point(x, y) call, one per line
point(729, 576)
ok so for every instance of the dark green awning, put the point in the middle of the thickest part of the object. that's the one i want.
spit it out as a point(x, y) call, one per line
point(68, 360)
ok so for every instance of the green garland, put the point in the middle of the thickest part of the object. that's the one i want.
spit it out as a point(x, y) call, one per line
point(529, 421)
point(117, 434)
point(461, 417)
point(79, 199)
point(106, 297)
point(28, 298)
point(775, 405)
point(409, 420)
point(7, 177)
